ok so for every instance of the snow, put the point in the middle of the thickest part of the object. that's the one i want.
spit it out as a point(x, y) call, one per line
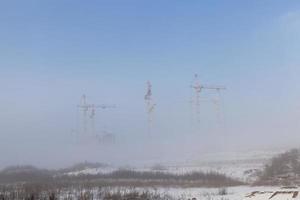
point(93, 171)
point(233, 193)
point(239, 165)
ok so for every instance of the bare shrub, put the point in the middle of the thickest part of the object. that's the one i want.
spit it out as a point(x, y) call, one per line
point(222, 191)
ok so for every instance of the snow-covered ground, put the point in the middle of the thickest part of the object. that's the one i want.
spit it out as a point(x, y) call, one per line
point(240, 165)
point(231, 193)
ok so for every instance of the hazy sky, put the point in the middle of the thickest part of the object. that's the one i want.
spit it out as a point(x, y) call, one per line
point(53, 51)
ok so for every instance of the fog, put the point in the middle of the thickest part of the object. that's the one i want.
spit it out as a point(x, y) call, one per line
point(53, 52)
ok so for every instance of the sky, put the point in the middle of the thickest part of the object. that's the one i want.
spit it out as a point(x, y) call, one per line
point(53, 51)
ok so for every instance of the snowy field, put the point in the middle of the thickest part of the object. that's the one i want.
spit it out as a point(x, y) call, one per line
point(231, 193)
point(239, 165)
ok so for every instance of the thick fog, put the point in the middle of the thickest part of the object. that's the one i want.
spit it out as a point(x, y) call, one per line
point(53, 52)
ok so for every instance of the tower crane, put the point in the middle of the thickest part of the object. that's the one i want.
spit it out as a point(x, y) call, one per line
point(89, 112)
point(198, 88)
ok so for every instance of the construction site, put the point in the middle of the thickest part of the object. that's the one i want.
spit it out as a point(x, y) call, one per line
point(149, 100)
point(89, 128)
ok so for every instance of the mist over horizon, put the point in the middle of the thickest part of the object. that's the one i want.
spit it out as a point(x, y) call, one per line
point(53, 52)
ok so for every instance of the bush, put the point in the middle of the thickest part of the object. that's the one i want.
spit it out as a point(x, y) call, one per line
point(282, 169)
point(222, 191)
